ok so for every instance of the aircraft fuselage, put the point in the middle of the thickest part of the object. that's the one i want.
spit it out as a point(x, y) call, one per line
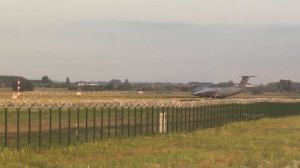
point(221, 92)
point(217, 92)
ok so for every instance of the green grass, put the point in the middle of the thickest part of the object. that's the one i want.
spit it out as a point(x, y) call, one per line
point(44, 96)
point(262, 143)
point(122, 123)
point(50, 95)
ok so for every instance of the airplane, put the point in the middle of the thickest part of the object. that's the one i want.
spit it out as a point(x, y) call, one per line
point(221, 92)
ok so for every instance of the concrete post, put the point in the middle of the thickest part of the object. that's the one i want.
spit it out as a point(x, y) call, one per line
point(162, 123)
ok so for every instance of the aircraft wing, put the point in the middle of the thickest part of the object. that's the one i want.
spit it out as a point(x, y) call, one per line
point(206, 91)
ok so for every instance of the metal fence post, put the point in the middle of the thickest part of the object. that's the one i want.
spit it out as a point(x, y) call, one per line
point(50, 127)
point(189, 119)
point(239, 109)
point(59, 125)
point(172, 114)
point(122, 122)
point(5, 127)
point(197, 118)
point(221, 119)
point(157, 122)
point(193, 118)
point(216, 115)
point(260, 111)
point(18, 127)
point(128, 132)
point(94, 123)
point(177, 120)
point(236, 112)
point(211, 116)
point(69, 126)
point(29, 125)
point(77, 126)
point(271, 110)
point(204, 117)
point(223, 114)
point(147, 122)
point(163, 119)
point(141, 125)
point(40, 127)
point(181, 118)
point(108, 132)
point(86, 124)
point(185, 118)
point(101, 131)
point(167, 119)
point(227, 114)
point(134, 121)
point(152, 116)
point(116, 121)
point(147, 113)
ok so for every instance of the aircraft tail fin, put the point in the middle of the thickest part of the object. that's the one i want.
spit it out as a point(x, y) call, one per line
point(244, 81)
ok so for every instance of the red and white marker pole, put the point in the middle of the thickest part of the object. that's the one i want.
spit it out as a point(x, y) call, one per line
point(18, 87)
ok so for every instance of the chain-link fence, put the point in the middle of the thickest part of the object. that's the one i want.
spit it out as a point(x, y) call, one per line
point(63, 124)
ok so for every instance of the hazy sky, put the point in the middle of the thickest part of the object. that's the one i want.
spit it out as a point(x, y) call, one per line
point(154, 40)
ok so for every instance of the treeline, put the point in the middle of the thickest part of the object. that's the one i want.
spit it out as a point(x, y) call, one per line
point(12, 82)
point(126, 85)
point(281, 86)
point(118, 85)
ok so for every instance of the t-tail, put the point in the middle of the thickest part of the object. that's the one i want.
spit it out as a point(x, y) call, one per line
point(244, 81)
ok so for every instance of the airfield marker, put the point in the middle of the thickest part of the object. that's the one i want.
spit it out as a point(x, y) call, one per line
point(162, 122)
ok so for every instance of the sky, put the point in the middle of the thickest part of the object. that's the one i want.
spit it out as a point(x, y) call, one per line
point(151, 40)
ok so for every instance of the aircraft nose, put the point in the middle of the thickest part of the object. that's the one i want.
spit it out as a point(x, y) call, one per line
point(196, 92)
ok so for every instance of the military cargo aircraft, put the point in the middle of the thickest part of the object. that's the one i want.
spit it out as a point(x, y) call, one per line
point(221, 92)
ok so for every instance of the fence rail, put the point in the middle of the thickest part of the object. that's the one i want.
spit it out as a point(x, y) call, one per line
point(63, 124)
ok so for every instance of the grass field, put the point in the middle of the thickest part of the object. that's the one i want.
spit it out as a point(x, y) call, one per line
point(62, 95)
point(262, 143)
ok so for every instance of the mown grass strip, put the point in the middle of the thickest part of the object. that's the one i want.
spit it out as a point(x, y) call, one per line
point(262, 143)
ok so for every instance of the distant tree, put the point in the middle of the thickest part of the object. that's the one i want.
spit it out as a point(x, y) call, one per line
point(109, 86)
point(67, 80)
point(258, 90)
point(72, 87)
point(147, 88)
point(88, 88)
point(115, 81)
point(126, 81)
point(285, 85)
point(296, 86)
point(125, 86)
point(271, 87)
point(25, 85)
point(100, 88)
point(46, 81)
point(1, 83)
point(113, 84)
point(6, 81)
point(288, 85)
point(183, 88)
